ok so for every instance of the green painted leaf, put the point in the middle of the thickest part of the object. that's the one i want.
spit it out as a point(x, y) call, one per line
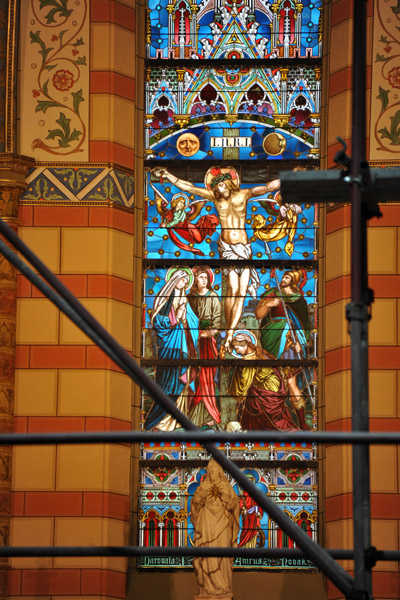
point(49, 67)
point(396, 9)
point(395, 126)
point(59, 7)
point(49, 193)
point(380, 58)
point(43, 105)
point(108, 192)
point(384, 39)
point(46, 88)
point(64, 134)
point(63, 142)
point(384, 133)
point(53, 133)
point(384, 97)
point(50, 16)
point(44, 3)
point(75, 135)
point(64, 122)
point(36, 39)
point(45, 53)
point(79, 42)
point(394, 134)
point(77, 96)
point(80, 61)
point(62, 33)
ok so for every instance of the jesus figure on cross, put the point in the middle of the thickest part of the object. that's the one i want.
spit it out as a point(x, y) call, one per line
point(223, 189)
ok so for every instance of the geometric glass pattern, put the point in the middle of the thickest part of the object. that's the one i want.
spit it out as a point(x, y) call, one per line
point(233, 112)
point(212, 29)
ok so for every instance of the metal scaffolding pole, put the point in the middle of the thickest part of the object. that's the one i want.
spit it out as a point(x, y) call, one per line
point(163, 551)
point(357, 311)
point(201, 437)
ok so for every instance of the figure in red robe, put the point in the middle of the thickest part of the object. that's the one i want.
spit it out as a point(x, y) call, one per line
point(251, 522)
point(179, 222)
point(206, 305)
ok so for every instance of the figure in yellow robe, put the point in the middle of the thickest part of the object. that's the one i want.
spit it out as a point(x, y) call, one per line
point(260, 391)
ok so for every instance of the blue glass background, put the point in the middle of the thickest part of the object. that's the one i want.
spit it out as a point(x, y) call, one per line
point(158, 245)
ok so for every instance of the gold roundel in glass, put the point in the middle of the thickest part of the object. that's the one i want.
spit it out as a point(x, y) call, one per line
point(274, 143)
point(187, 144)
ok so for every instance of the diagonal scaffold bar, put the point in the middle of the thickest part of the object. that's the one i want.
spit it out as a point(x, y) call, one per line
point(72, 308)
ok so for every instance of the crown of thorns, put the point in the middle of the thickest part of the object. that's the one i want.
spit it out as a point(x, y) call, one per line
point(222, 177)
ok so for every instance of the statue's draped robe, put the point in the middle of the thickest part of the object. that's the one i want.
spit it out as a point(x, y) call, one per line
point(215, 516)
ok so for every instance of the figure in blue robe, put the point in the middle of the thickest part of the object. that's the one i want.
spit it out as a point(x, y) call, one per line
point(177, 329)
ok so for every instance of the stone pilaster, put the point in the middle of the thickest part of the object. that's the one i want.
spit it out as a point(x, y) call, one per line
point(13, 170)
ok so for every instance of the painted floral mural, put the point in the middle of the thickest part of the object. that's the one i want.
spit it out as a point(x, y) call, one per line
point(386, 78)
point(57, 35)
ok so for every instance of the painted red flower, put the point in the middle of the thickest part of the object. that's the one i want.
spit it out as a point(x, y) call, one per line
point(54, 38)
point(63, 80)
point(75, 51)
point(394, 77)
point(35, 93)
point(388, 48)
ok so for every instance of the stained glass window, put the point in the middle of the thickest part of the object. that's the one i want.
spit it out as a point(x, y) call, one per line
point(230, 271)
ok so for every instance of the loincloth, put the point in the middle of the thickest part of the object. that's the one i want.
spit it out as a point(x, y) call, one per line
point(241, 252)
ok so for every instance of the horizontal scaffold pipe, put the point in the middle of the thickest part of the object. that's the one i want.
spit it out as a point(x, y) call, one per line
point(78, 314)
point(185, 437)
point(159, 551)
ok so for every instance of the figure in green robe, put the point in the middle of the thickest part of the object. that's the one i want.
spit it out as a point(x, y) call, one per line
point(285, 330)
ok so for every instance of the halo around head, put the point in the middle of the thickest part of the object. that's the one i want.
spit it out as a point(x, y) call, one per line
point(215, 175)
point(180, 195)
point(188, 271)
point(209, 271)
point(245, 332)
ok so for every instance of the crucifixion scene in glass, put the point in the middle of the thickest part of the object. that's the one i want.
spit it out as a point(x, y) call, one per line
point(230, 271)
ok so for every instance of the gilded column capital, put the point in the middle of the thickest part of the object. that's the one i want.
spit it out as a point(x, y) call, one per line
point(14, 168)
point(13, 171)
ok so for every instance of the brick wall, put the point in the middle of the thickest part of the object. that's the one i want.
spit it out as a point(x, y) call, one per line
point(73, 495)
point(383, 259)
